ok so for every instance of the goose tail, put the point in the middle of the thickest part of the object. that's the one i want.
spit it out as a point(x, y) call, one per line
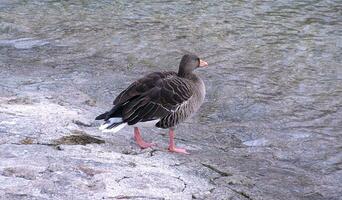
point(113, 125)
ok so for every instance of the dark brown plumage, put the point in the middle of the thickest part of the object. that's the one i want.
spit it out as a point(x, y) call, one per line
point(168, 97)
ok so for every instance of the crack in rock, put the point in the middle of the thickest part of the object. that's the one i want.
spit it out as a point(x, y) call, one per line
point(222, 173)
point(38, 143)
point(242, 193)
point(185, 185)
point(151, 153)
point(120, 179)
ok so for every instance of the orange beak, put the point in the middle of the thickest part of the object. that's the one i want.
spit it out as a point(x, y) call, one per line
point(203, 63)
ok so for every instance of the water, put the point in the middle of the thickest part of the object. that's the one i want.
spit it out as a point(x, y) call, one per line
point(274, 81)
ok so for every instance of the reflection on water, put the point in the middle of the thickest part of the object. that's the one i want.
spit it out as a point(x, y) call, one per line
point(274, 83)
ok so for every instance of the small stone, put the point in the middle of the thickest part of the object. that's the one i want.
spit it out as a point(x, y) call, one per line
point(90, 102)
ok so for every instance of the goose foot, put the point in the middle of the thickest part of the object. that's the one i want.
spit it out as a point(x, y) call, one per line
point(172, 147)
point(178, 150)
point(138, 139)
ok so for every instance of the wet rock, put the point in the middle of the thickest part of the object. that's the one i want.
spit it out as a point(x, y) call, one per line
point(23, 43)
point(257, 142)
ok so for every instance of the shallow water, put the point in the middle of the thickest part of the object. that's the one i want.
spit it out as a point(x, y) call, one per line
point(274, 82)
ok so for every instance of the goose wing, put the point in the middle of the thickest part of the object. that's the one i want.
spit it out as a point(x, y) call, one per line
point(141, 86)
point(147, 101)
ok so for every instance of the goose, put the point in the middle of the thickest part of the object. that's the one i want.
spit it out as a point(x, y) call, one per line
point(163, 99)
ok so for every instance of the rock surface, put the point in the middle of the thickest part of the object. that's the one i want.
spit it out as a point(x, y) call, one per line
point(270, 127)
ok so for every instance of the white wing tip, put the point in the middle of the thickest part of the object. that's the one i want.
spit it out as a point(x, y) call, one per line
point(104, 129)
point(103, 126)
point(109, 122)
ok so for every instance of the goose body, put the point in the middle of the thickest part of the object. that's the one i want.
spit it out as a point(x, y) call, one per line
point(163, 99)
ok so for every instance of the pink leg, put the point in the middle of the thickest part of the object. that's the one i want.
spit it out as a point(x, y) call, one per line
point(172, 146)
point(137, 137)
